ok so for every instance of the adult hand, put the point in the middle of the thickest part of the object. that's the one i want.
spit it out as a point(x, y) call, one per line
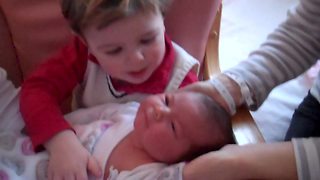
point(207, 88)
point(68, 159)
point(214, 165)
point(256, 161)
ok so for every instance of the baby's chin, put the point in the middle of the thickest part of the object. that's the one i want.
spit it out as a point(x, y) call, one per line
point(169, 159)
point(135, 140)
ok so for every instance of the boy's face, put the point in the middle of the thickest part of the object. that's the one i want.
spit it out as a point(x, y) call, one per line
point(129, 49)
point(168, 126)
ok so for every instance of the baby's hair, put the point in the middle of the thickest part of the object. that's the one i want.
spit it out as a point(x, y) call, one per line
point(82, 13)
point(221, 121)
point(222, 118)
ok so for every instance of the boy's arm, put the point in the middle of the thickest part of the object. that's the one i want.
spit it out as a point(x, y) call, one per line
point(44, 91)
point(91, 114)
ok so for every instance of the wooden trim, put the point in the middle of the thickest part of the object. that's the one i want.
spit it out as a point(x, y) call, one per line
point(244, 127)
point(211, 59)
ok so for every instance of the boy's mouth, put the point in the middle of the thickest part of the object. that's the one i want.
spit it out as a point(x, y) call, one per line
point(138, 73)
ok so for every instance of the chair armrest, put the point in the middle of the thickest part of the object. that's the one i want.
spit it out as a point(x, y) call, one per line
point(211, 59)
point(8, 58)
point(244, 127)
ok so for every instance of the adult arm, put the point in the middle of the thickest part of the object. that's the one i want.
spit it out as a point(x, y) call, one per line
point(188, 23)
point(46, 88)
point(298, 159)
point(257, 161)
point(290, 50)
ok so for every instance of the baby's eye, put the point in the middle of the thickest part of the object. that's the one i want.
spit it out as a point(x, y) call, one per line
point(173, 127)
point(166, 100)
point(114, 51)
point(147, 40)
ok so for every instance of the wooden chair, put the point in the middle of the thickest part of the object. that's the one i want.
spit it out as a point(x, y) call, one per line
point(244, 127)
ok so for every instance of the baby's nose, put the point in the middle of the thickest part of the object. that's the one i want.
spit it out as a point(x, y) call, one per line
point(160, 112)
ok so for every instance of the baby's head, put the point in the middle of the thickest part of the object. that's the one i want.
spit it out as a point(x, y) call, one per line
point(180, 126)
point(125, 36)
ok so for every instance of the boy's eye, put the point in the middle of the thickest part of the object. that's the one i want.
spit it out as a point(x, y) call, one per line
point(147, 40)
point(114, 51)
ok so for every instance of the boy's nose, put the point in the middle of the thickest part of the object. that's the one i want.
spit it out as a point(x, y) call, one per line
point(136, 56)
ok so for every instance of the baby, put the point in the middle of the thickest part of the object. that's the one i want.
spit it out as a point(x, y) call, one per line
point(138, 141)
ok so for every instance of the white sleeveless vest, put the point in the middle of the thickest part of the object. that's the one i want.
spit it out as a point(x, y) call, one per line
point(97, 88)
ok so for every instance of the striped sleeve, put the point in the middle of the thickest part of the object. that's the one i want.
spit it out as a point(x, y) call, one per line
point(307, 154)
point(315, 89)
point(289, 51)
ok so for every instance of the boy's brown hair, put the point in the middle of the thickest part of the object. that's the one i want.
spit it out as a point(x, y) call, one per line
point(83, 13)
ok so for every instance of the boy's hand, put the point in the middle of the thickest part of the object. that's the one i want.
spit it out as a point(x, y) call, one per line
point(68, 159)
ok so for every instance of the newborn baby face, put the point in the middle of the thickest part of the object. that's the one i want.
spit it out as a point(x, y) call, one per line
point(168, 126)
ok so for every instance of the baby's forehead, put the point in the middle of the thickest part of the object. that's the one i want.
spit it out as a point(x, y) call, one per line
point(194, 120)
point(189, 105)
point(186, 97)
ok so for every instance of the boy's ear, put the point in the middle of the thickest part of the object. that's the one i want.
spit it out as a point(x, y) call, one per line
point(82, 39)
